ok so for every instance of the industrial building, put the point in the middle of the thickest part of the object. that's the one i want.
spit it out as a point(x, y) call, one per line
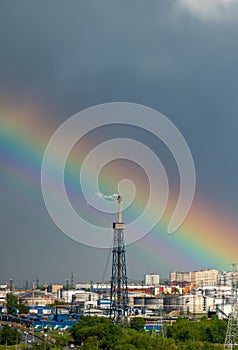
point(35, 298)
point(194, 292)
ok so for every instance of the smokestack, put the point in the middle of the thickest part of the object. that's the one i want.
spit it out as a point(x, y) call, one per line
point(119, 199)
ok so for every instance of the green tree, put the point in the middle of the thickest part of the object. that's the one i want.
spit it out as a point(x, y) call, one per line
point(93, 333)
point(10, 336)
point(183, 330)
point(12, 304)
point(61, 340)
point(23, 309)
point(214, 330)
point(142, 340)
point(125, 347)
point(89, 326)
point(90, 344)
point(210, 331)
point(90, 321)
point(161, 343)
point(96, 330)
point(111, 337)
point(137, 323)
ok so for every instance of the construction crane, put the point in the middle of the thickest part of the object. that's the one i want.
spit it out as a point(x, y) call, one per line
point(119, 280)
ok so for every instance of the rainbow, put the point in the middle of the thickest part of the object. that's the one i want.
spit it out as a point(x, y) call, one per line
point(206, 239)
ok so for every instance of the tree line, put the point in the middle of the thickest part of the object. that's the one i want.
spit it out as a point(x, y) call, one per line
point(92, 333)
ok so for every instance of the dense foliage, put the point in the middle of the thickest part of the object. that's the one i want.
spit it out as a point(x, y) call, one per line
point(212, 331)
point(13, 307)
point(9, 336)
point(12, 303)
point(93, 333)
point(22, 309)
point(137, 323)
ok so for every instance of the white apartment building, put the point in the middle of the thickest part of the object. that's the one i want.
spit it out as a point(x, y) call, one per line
point(204, 278)
point(151, 279)
point(180, 278)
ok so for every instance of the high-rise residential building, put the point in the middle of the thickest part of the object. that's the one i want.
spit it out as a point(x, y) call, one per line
point(151, 279)
point(204, 278)
point(180, 278)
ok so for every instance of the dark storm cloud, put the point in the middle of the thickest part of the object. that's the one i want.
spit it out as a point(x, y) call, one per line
point(104, 50)
point(77, 54)
point(77, 47)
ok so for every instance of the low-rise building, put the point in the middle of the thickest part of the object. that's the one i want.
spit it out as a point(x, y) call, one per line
point(54, 288)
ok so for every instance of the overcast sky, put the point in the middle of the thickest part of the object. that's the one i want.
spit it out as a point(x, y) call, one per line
point(179, 57)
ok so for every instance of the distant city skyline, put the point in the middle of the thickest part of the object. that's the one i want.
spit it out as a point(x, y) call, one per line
point(206, 277)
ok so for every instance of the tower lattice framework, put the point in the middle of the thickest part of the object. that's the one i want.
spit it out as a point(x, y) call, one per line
point(231, 341)
point(119, 281)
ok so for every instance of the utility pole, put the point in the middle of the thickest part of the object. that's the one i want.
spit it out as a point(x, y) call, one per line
point(232, 325)
point(119, 280)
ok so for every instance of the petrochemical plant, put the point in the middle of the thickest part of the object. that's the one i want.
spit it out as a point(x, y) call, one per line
point(185, 294)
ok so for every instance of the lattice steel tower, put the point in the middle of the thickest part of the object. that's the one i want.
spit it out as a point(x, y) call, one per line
point(231, 341)
point(119, 282)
